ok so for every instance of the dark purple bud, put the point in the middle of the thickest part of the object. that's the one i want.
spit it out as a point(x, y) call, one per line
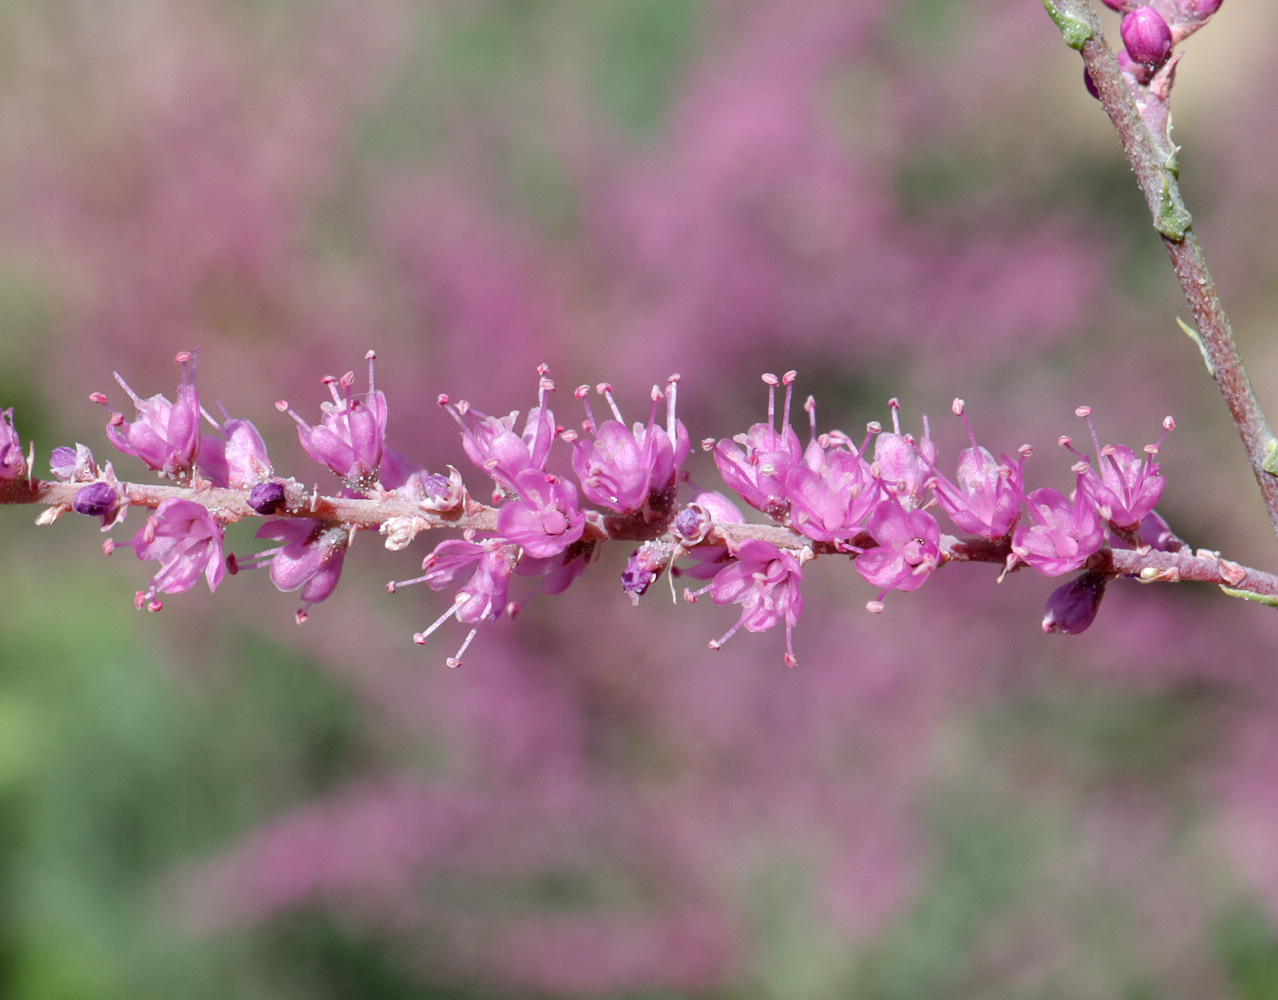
point(1147, 36)
point(1089, 84)
point(266, 498)
point(95, 500)
point(1122, 6)
point(1072, 607)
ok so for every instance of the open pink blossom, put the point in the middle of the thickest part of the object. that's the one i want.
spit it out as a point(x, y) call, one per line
point(765, 581)
point(1059, 535)
point(310, 558)
point(235, 457)
point(351, 433)
point(492, 444)
point(985, 496)
point(908, 548)
point(166, 436)
point(755, 464)
point(629, 469)
point(187, 541)
point(1123, 487)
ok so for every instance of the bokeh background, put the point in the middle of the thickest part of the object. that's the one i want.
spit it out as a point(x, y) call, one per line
point(910, 198)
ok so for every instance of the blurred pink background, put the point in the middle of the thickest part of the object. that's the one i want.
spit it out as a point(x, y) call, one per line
point(913, 199)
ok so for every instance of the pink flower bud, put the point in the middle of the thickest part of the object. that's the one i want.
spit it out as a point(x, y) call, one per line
point(1147, 36)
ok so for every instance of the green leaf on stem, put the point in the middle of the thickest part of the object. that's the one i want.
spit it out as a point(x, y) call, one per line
point(1247, 595)
point(1076, 30)
point(1173, 219)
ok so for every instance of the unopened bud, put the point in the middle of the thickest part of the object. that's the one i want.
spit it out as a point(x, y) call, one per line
point(266, 498)
point(95, 500)
point(1072, 607)
point(1147, 36)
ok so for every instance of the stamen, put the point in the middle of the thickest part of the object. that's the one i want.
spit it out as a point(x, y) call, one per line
point(125, 386)
point(606, 391)
point(455, 660)
point(672, 386)
point(421, 637)
point(788, 381)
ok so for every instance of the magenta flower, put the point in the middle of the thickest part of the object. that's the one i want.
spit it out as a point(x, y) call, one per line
point(187, 541)
point(12, 464)
point(830, 503)
point(628, 470)
point(351, 433)
point(1072, 607)
point(755, 464)
point(236, 457)
point(165, 435)
point(900, 461)
point(765, 581)
point(1063, 534)
point(909, 548)
point(986, 500)
point(544, 520)
point(310, 558)
point(482, 598)
point(492, 444)
point(1126, 488)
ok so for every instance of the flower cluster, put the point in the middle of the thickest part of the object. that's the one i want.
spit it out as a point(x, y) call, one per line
point(874, 502)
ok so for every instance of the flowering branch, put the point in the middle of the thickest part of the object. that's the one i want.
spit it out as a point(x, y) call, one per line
point(1134, 87)
point(869, 502)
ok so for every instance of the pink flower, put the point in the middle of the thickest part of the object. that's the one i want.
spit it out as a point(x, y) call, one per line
point(351, 433)
point(310, 558)
point(756, 463)
point(1063, 534)
point(544, 520)
point(908, 548)
point(165, 435)
point(482, 598)
point(628, 470)
point(765, 581)
point(492, 444)
point(187, 540)
point(1126, 488)
point(986, 500)
point(900, 461)
point(236, 457)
